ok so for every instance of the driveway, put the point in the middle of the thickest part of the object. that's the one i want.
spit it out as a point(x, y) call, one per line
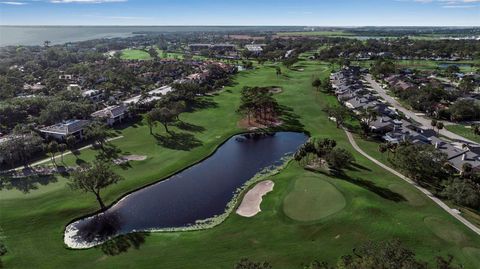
point(423, 121)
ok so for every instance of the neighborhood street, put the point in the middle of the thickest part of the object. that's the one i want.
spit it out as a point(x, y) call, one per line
point(439, 202)
point(423, 121)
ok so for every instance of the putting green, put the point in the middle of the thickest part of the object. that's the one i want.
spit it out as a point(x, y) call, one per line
point(445, 230)
point(413, 197)
point(312, 199)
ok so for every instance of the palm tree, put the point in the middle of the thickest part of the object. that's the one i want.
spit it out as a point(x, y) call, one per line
point(62, 148)
point(52, 148)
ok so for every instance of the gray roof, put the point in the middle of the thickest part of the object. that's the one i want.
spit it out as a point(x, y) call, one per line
point(66, 128)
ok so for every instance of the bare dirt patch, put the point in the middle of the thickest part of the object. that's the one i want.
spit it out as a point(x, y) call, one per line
point(250, 205)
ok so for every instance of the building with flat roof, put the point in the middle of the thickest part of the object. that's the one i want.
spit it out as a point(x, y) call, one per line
point(60, 131)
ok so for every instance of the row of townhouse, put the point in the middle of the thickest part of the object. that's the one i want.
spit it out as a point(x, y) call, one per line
point(352, 93)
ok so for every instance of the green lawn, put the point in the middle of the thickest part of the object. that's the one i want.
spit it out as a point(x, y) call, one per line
point(464, 131)
point(377, 205)
point(135, 54)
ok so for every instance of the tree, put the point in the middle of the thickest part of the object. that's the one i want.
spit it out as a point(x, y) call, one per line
point(3, 251)
point(93, 179)
point(71, 141)
point(278, 71)
point(339, 113)
point(151, 119)
point(440, 126)
point(166, 116)
point(433, 123)
point(52, 148)
point(339, 158)
point(153, 53)
point(46, 43)
point(467, 84)
point(476, 129)
point(317, 83)
point(62, 148)
point(422, 163)
point(382, 148)
point(462, 191)
point(98, 133)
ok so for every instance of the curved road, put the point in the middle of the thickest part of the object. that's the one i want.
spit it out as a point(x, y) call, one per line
point(425, 122)
point(439, 202)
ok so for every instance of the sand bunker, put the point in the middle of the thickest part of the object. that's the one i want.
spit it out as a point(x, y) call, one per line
point(250, 205)
point(126, 158)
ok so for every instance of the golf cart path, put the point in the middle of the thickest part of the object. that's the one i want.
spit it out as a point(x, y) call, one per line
point(66, 153)
point(425, 191)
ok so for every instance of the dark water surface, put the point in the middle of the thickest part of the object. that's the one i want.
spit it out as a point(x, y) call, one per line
point(197, 193)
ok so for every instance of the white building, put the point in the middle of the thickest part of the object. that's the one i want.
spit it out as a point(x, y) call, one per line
point(60, 131)
point(111, 114)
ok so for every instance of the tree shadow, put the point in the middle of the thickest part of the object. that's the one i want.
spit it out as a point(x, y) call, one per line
point(25, 184)
point(190, 127)
point(178, 141)
point(368, 185)
point(201, 103)
point(123, 243)
point(358, 167)
point(290, 120)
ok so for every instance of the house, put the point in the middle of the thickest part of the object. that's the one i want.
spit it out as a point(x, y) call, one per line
point(60, 131)
point(93, 95)
point(73, 86)
point(255, 48)
point(112, 114)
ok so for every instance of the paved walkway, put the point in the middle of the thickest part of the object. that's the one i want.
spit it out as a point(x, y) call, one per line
point(425, 122)
point(425, 191)
point(46, 160)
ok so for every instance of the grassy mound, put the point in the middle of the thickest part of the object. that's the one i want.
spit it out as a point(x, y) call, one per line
point(445, 230)
point(312, 199)
point(414, 198)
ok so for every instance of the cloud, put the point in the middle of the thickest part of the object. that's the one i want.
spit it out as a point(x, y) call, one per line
point(461, 4)
point(13, 3)
point(86, 1)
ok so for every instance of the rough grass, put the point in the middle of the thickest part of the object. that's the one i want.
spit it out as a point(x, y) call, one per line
point(33, 223)
point(312, 199)
point(415, 198)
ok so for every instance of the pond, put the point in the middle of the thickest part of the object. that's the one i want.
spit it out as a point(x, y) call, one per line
point(198, 193)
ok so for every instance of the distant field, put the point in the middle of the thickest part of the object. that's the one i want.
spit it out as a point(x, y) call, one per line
point(319, 33)
point(135, 54)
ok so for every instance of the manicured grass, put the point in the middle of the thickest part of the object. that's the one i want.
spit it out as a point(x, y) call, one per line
point(312, 199)
point(464, 131)
point(33, 223)
point(135, 54)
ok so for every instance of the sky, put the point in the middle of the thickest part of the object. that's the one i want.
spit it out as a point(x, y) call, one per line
point(242, 12)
